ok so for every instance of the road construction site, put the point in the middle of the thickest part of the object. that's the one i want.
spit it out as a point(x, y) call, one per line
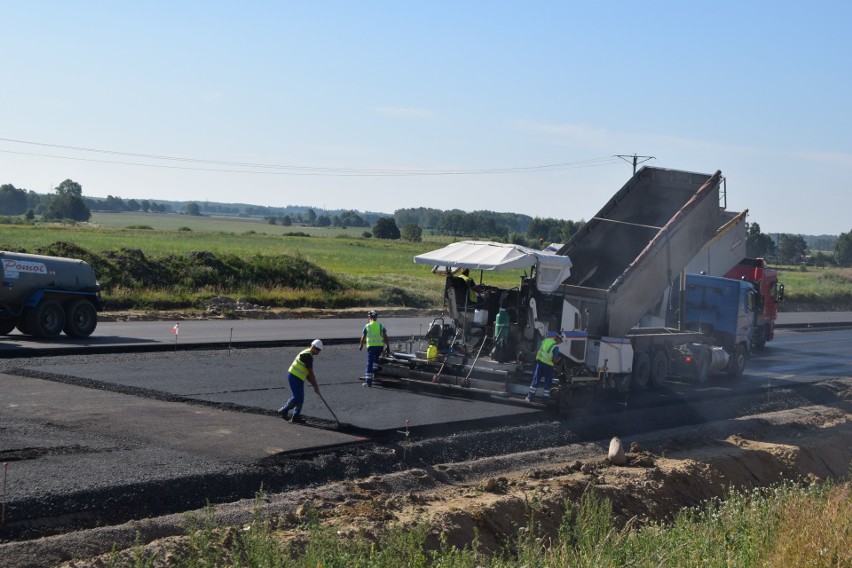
point(95, 440)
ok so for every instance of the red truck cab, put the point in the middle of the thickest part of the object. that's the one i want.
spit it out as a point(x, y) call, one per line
point(770, 294)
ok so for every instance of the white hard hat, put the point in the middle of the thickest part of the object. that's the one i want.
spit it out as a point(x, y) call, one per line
point(316, 344)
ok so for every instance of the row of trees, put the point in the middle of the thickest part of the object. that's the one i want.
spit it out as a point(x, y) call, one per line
point(68, 203)
point(793, 249)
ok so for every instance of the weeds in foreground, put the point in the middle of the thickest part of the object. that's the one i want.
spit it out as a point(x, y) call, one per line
point(784, 525)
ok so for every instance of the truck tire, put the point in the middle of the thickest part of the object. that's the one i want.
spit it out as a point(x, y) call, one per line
point(736, 365)
point(760, 334)
point(6, 326)
point(46, 320)
point(659, 368)
point(81, 318)
point(641, 370)
point(702, 366)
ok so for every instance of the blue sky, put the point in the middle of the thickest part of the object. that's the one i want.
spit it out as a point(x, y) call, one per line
point(506, 106)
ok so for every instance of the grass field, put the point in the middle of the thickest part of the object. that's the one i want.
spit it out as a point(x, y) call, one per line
point(366, 264)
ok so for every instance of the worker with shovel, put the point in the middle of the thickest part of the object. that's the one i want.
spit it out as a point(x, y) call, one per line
point(375, 337)
point(300, 371)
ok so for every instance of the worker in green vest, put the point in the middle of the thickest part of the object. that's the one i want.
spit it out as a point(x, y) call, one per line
point(301, 370)
point(545, 361)
point(472, 287)
point(375, 337)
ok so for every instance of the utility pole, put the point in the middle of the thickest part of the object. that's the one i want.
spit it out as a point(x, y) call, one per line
point(635, 159)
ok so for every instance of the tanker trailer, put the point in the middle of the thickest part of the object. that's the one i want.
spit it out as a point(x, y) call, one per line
point(43, 296)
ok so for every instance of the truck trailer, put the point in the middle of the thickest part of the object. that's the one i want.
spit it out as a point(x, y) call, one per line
point(593, 291)
point(43, 296)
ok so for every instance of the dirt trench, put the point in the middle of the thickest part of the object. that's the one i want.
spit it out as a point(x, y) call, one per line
point(493, 497)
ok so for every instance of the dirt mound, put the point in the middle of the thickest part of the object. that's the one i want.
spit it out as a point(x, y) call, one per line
point(492, 498)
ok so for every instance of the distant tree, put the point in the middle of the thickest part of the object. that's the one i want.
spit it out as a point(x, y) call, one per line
point(323, 221)
point(286, 221)
point(270, 220)
point(29, 215)
point(791, 248)
point(69, 187)
point(412, 232)
point(68, 203)
point(310, 216)
point(192, 208)
point(843, 249)
point(385, 228)
point(146, 205)
point(821, 259)
point(367, 235)
point(758, 245)
point(13, 201)
point(133, 205)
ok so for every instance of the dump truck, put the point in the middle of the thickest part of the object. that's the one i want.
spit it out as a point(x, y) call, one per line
point(43, 296)
point(593, 291)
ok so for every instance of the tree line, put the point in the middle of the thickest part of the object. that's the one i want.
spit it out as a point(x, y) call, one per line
point(67, 202)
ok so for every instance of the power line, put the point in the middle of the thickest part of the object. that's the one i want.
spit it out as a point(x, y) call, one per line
point(634, 158)
point(260, 168)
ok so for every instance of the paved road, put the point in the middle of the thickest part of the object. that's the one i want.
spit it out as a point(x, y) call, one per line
point(157, 335)
point(75, 428)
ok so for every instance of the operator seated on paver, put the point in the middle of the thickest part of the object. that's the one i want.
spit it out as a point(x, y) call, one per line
point(544, 366)
point(375, 337)
point(301, 370)
point(465, 290)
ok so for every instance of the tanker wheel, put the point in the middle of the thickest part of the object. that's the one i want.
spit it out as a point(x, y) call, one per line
point(736, 365)
point(659, 368)
point(46, 320)
point(641, 370)
point(702, 367)
point(6, 326)
point(80, 318)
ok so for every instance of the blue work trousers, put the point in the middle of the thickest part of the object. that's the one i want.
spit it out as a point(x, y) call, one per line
point(543, 374)
point(297, 386)
point(373, 354)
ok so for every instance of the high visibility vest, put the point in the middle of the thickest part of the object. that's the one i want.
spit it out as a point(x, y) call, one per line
point(471, 293)
point(375, 337)
point(545, 352)
point(298, 368)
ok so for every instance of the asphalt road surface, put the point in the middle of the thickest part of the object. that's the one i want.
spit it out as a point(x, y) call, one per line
point(88, 437)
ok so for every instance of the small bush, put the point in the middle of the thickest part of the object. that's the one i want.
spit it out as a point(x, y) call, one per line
point(141, 227)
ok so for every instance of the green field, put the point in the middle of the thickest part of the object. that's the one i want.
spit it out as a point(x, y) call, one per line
point(374, 271)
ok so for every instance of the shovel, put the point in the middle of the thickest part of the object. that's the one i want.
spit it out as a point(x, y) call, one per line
point(330, 410)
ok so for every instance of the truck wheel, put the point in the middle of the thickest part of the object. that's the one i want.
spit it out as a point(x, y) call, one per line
point(6, 326)
point(46, 320)
point(81, 317)
point(641, 370)
point(736, 365)
point(760, 337)
point(702, 366)
point(659, 369)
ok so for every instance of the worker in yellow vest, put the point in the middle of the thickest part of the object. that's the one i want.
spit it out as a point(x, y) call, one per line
point(301, 370)
point(375, 337)
point(545, 361)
